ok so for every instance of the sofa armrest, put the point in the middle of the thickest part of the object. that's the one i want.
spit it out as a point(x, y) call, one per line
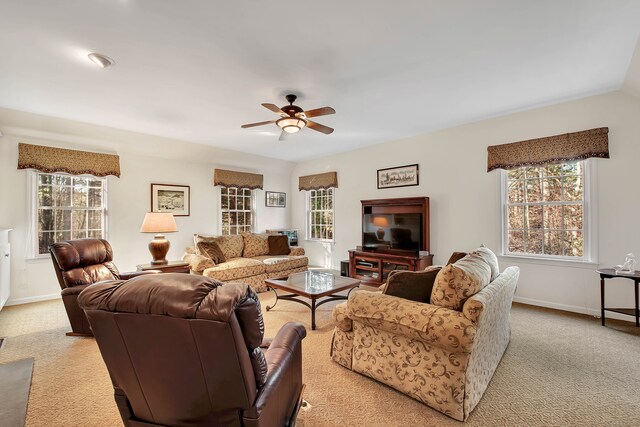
point(132, 274)
point(341, 317)
point(284, 371)
point(448, 329)
point(198, 263)
point(297, 251)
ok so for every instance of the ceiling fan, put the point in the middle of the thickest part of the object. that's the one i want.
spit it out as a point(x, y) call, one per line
point(294, 118)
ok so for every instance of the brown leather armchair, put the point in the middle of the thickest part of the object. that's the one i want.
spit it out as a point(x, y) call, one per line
point(185, 350)
point(78, 264)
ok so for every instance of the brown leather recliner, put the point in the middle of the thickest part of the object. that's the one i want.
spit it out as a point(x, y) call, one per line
point(185, 350)
point(78, 264)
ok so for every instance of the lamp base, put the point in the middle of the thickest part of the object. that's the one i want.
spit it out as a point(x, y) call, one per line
point(159, 247)
point(380, 233)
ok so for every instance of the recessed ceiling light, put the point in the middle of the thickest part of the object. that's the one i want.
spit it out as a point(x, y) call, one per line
point(101, 60)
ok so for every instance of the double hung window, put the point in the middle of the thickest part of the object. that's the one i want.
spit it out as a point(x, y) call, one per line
point(320, 214)
point(237, 210)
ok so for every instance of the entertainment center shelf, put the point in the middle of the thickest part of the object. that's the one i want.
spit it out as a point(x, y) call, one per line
point(373, 268)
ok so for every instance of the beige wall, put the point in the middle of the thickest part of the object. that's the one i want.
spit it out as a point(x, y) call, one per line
point(144, 160)
point(465, 199)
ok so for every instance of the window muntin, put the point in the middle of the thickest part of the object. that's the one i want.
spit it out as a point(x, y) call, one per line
point(546, 211)
point(236, 208)
point(67, 207)
point(320, 214)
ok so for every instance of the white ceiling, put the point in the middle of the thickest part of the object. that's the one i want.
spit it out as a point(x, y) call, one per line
point(197, 70)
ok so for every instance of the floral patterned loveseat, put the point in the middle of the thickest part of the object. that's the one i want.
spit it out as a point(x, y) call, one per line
point(246, 260)
point(443, 353)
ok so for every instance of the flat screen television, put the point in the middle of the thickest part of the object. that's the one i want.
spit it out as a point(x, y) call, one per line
point(392, 231)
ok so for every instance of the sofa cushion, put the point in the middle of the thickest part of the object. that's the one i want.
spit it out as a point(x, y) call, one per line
point(455, 283)
point(235, 268)
point(412, 285)
point(255, 245)
point(490, 258)
point(211, 250)
point(278, 245)
point(282, 262)
point(231, 246)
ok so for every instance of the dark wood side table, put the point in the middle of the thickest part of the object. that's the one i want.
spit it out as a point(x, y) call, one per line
point(610, 273)
point(170, 267)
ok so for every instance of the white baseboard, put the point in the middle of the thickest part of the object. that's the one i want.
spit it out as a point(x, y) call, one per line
point(573, 308)
point(28, 300)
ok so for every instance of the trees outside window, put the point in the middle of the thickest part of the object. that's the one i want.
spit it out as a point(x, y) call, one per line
point(237, 210)
point(546, 210)
point(67, 207)
point(320, 214)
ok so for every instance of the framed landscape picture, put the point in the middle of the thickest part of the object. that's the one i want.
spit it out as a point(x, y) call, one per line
point(274, 199)
point(171, 198)
point(399, 176)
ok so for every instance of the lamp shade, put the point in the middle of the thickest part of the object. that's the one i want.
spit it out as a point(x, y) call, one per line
point(380, 221)
point(158, 222)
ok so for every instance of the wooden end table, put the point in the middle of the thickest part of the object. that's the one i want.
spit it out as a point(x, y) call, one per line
point(170, 267)
point(610, 273)
point(312, 285)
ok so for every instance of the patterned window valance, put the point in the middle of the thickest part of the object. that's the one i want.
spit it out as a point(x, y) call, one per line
point(552, 149)
point(228, 178)
point(318, 181)
point(75, 162)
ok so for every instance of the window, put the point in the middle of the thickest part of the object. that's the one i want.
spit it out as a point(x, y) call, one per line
point(546, 211)
point(67, 207)
point(236, 207)
point(320, 214)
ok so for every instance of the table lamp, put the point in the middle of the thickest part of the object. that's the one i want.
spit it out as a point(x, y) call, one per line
point(159, 222)
point(380, 221)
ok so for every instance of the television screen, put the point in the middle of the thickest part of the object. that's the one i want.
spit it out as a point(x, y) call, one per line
point(392, 231)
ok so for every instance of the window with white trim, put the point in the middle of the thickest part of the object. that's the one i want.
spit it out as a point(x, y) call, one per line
point(546, 211)
point(67, 207)
point(320, 214)
point(236, 210)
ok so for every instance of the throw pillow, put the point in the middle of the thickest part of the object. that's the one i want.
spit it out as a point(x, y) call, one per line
point(255, 245)
point(456, 256)
point(211, 250)
point(457, 282)
point(490, 258)
point(412, 285)
point(278, 245)
point(231, 246)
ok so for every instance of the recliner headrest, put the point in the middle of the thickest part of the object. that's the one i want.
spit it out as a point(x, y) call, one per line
point(81, 253)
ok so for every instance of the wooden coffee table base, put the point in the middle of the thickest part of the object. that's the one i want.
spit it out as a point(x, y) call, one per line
point(314, 302)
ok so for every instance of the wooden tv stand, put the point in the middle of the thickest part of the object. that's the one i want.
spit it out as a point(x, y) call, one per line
point(373, 267)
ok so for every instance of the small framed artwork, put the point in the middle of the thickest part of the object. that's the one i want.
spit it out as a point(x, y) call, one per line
point(274, 199)
point(171, 198)
point(399, 176)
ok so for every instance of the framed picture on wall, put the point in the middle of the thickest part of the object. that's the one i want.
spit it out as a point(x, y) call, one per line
point(171, 198)
point(274, 199)
point(399, 176)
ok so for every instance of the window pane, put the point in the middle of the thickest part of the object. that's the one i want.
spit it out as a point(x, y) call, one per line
point(572, 188)
point(572, 168)
point(240, 218)
point(95, 220)
point(233, 230)
point(247, 203)
point(63, 196)
point(515, 191)
point(553, 189)
point(61, 236)
point(78, 220)
point(63, 219)
point(45, 196)
point(516, 216)
point(45, 179)
point(553, 242)
point(240, 201)
point(533, 172)
point(516, 241)
point(45, 220)
point(534, 217)
point(232, 202)
point(80, 181)
point(553, 170)
point(94, 182)
point(80, 196)
point(533, 241)
point(45, 239)
point(82, 234)
point(553, 217)
point(573, 217)
point(95, 234)
point(95, 197)
point(515, 174)
point(224, 202)
point(573, 243)
point(534, 190)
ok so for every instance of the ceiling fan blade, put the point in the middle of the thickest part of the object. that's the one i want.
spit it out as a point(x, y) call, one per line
point(319, 112)
point(250, 125)
point(283, 136)
point(318, 127)
point(275, 109)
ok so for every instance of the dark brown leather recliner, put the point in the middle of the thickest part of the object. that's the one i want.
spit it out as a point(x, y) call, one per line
point(185, 350)
point(78, 264)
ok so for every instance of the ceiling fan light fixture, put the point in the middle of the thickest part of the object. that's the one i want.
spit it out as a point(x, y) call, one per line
point(101, 60)
point(291, 124)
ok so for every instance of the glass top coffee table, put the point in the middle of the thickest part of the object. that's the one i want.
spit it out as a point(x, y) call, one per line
point(311, 285)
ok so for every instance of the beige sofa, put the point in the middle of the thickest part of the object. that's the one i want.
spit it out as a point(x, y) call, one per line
point(443, 353)
point(247, 260)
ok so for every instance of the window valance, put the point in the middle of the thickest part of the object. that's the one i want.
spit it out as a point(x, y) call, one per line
point(227, 178)
point(552, 149)
point(75, 162)
point(318, 181)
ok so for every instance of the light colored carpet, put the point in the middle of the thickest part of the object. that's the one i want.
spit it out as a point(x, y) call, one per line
point(560, 369)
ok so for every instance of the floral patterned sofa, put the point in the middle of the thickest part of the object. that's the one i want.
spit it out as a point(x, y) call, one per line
point(246, 260)
point(442, 353)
